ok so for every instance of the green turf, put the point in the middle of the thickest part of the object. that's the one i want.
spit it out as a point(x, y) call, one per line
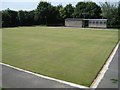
point(70, 54)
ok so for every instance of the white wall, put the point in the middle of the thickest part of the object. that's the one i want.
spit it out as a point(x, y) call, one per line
point(73, 23)
point(98, 24)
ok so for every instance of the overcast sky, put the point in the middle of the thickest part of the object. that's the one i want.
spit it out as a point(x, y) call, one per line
point(32, 4)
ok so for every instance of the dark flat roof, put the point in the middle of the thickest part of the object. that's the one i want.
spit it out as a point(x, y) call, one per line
point(95, 19)
point(77, 19)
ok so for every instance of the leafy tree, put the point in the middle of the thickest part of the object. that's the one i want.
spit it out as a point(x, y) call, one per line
point(87, 10)
point(0, 19)
point(9, 18)
point(21, 17)
point(26, 18)
point(118, 16)
point(110, 11)
point(59, 8)
point(62, 13)
point(67, 11)
point(46, 14)
point(59, 18)
point(53, 16)
point(42, 12)
point(31, 17)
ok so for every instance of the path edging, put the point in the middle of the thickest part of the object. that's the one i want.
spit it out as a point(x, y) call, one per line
point(46, 77)
point(101, 74)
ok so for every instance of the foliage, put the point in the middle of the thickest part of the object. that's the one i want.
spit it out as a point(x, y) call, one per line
point(26, 18)
point(87, 10)
point(110, 11)
point(47, 14)
point(67, 11)
point(114, 80)
point(118, 16)
point(42, 12)
point(9, 18)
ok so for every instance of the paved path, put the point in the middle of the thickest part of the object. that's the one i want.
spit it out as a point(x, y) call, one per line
point(111, 76)
point(12, 78)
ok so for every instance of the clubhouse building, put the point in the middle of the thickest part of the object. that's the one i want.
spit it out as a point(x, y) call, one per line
point(80, 22)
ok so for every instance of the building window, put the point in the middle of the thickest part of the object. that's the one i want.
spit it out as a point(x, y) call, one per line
point(93, 22)
point(101, 22)
point(90, 22)
point(104, 22)
point(97, 22)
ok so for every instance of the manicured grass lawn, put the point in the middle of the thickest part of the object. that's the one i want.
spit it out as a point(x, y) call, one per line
point(71, 54)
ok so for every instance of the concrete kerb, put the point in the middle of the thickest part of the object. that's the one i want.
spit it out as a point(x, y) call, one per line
point(105, 68)
point(46, 77)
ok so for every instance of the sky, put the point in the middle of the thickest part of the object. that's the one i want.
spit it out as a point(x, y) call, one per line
point(32, 4)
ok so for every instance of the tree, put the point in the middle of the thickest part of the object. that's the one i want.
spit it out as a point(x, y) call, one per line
point(59, 18)
point(67, 11)
point(118, 16)
point(87, 10)
point(21, 17)
point(46, 14)
point(53, 17)
point(42, 12)
point(59, 8)
point(9, 18)
point(110, 11)
point(26, 17)
point(0, 19)
point(31, 17)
